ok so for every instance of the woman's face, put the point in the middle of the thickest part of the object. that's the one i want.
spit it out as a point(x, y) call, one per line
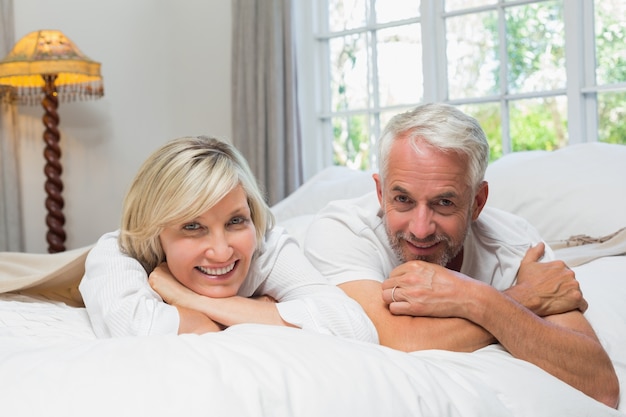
point(211, 255)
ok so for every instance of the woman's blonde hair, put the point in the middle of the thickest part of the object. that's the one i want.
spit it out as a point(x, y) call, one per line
point(179, 182)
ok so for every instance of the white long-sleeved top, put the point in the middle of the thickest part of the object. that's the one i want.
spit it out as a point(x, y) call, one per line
point(120, 301)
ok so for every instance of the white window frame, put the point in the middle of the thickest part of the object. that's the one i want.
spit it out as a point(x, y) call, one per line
point(314, 70)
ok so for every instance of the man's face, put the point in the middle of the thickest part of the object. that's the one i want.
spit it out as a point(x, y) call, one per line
point(427, 204)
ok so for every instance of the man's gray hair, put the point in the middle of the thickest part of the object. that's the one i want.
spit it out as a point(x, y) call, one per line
point(444, 127)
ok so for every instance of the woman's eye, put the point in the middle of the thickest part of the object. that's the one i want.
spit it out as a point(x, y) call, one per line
point(237, 220)
point(191, 226)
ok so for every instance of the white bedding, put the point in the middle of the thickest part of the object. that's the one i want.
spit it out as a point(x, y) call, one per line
point(51, 364)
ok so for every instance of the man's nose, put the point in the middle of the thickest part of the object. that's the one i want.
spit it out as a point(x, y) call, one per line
point(422, 223)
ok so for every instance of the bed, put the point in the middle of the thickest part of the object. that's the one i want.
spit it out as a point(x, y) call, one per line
point(52, 364)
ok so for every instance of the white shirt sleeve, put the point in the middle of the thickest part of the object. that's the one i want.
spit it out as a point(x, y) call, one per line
point(120, 301)
point(118, 297)
point(305, 298)
point(347, 242)
point(495, 246)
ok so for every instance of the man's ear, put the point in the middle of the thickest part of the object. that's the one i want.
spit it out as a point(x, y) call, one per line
point(480, 199)
point(379, 188)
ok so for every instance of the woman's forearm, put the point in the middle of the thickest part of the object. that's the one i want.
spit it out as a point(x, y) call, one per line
point(234, 310)
point(192, 321)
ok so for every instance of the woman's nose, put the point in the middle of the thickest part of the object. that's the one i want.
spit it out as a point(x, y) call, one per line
point(218, 248)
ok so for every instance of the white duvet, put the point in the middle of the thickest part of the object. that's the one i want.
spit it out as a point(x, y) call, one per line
point(51, 364)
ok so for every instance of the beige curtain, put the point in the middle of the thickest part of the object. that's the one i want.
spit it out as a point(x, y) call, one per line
point(266, 124)
point(11, 238)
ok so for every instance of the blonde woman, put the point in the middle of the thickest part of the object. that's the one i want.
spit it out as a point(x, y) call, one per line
point(197, 234)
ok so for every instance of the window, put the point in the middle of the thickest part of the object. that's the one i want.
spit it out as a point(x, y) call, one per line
point(537, 74)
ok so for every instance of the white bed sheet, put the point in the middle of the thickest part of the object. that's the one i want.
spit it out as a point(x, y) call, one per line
point(51, 364)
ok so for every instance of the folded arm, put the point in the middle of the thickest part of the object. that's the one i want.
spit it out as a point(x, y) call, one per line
point(562, 344)
point(224, 312)
point(543, 288)
point(408, 333)
point(192, 321)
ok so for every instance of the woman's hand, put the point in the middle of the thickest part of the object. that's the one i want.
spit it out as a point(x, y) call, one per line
point(174, 293)
point(167, 286)
point(265, 298)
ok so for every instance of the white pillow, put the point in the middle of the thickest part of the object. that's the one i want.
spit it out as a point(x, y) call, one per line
point(579, 189)
point(332, 183)
point(603, 285)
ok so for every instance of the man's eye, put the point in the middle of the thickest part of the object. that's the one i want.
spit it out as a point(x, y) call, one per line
point(446, 203)
point(402, 199)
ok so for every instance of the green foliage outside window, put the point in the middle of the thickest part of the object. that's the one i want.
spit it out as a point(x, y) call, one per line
point(535, 46)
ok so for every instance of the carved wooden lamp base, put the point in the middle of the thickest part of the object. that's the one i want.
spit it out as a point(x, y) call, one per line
point(53, 169)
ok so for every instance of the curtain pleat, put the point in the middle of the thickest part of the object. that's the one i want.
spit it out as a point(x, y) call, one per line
point(11, 235)
point(266, 124)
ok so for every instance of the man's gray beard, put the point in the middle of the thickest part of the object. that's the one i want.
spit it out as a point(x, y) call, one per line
point(395, 241)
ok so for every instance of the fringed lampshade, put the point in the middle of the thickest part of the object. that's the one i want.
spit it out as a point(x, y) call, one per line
point(43, 67)
point(50, 52)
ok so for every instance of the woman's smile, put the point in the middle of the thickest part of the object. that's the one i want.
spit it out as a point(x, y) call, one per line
point(220, 272)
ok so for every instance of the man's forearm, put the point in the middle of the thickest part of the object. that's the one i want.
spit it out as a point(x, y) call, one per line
point(563, 345)
point(410, 333)
point(421, 333)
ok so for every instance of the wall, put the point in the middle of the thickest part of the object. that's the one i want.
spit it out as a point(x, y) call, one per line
point(166, 67)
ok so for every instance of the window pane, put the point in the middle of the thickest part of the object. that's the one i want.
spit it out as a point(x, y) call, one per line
point(539, 123)
point(536, 47)
point(392, 10)
point(610, 26)
point(472, 53)
point(490, 119)
point(400, 65)
point(385, 116)
point(348, 72)
point(465, 4)
point(612, 117)
point(351, 145)
point(346, 14)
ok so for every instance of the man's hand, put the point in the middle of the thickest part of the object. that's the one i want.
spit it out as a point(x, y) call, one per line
point(546, 288)
point(423, 289)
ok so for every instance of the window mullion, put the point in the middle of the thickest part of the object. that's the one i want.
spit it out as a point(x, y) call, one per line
point(574, 63)
point(588, 66)
point(374, 89)
point(434, 61)
point(504, 83)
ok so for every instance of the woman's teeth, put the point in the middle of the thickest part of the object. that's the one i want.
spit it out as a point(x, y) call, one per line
point(216, 271)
